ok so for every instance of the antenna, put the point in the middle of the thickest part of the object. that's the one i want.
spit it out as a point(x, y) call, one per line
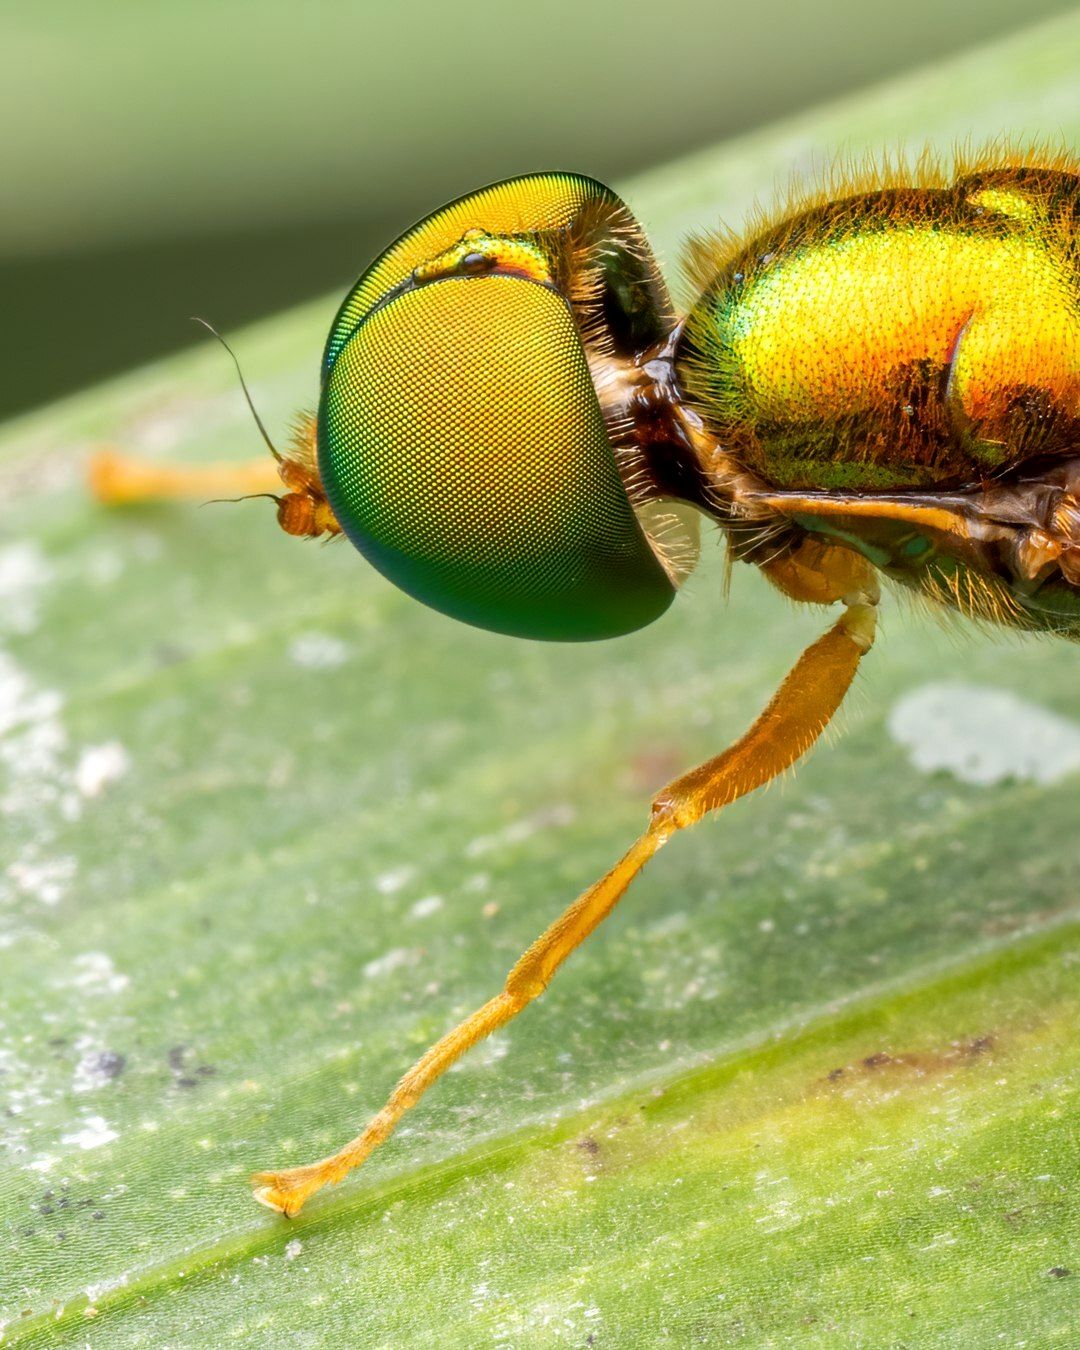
point(205, 323)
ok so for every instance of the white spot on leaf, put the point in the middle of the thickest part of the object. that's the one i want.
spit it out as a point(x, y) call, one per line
point(24, 570)
point(34, 785)
point(984, 736)
point(100, 765)
point(394, 959)
point(45, 881)
point(94, 1133)
point(95, 972)
point(318, 651)
point(389, 882)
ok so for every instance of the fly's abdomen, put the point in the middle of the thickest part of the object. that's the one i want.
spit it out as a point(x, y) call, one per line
point(909, 337)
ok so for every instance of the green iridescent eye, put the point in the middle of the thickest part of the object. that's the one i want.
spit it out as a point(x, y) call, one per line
point(461, 444)
point(463, 451)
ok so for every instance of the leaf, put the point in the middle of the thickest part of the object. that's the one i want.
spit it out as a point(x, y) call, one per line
point(270, 827)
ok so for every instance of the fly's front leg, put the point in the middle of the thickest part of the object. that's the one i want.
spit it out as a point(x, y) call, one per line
point(798, 713)
point(118, 480)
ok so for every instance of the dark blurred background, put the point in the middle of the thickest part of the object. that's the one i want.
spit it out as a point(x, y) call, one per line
point(230, 157)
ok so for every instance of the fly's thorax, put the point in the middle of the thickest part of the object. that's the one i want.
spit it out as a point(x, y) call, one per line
point(906, 338)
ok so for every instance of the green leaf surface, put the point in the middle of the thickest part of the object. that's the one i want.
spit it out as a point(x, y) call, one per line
point(269, 827)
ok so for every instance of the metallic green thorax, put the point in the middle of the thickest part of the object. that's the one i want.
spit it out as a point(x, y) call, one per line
point(908, 337)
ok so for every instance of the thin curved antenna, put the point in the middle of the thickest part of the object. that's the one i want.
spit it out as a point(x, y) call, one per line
point(232, 501)
point(240, 374)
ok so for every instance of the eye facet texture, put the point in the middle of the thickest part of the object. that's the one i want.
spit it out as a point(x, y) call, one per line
point(463, 451)
point(537, 202)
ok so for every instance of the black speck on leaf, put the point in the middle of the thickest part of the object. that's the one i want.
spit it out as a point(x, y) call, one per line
point(111, 1063)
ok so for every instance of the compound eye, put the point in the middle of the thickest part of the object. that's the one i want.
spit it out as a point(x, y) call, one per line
point(519, 209)
point(463, 451)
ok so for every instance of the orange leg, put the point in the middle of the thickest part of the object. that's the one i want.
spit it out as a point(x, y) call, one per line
point(118, 479)
point(798, 713)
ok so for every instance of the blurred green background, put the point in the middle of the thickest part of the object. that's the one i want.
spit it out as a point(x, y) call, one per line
point(229, 157)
